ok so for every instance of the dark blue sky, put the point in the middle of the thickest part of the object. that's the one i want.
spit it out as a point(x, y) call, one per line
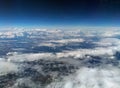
point(55, 13)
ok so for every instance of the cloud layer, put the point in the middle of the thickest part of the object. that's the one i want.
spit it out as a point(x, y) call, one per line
point(64, 59)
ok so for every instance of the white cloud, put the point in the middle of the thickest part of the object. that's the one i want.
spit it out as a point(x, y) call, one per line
point(108, 42)
point(75, 54)
point(68, 40)
point(90, 78)
point(82, 52)
point(30, 57)
point(103, 77)
point(7, 67)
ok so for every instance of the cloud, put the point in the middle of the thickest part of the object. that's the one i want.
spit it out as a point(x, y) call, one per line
point(108, 51)
point(68, 40)
point(103, 76)
point(90, 78)
point(7, 67)
point(30, 57)
point(107, 42)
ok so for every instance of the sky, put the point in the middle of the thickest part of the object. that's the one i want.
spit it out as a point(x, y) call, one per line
point(56, 13)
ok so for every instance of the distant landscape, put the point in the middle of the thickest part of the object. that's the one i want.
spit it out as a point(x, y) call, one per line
point(42, 58)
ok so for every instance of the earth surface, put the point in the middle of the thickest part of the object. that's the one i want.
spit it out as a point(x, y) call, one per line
point(60, 58)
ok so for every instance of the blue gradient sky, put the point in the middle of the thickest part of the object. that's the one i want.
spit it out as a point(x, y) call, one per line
point(59, 13)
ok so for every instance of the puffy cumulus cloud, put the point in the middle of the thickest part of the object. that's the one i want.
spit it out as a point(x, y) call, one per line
point(7, 67)
point(49, 44)
point(11, 34)
point(30, 57)
point(108, 77)
point(68, 40)
point(110, 33)
point(75, 54)
point(103, 31)
point(80, 53)
point(108, 42)
point(60, 42)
